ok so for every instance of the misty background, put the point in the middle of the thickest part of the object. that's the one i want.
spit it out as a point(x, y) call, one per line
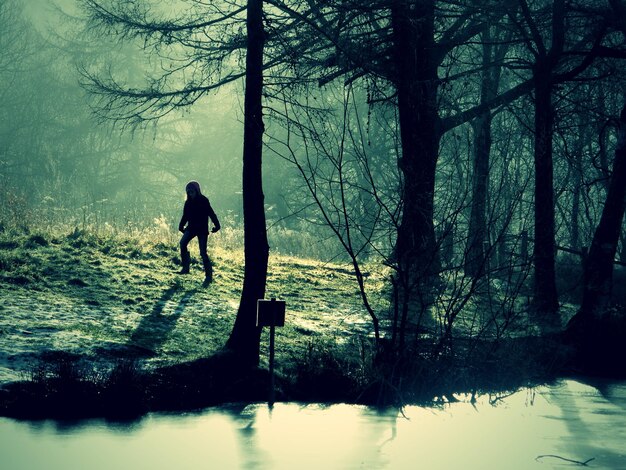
point(60, 163)
point(64, 161)
point(462, 161)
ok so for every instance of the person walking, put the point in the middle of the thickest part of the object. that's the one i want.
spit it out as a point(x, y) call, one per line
point(195, 223)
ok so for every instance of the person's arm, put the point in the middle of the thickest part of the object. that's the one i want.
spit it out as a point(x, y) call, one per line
point(184, 219)
point(214, 219)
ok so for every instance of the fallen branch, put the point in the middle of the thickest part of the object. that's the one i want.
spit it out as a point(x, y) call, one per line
point(583, 464)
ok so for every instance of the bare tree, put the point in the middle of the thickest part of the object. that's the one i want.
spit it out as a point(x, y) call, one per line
point(598, 268)
point(493, 56)
point(198, 49)
point(245, 337)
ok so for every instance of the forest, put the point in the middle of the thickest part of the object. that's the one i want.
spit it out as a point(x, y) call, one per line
point(453, 170)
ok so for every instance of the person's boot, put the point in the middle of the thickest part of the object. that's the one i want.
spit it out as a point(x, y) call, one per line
point(185, 261)
point(208, 273)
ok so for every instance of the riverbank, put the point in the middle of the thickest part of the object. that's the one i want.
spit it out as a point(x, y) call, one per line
point(101, 325)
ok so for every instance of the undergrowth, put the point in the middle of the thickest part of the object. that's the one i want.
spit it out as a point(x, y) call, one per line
point(134, 328)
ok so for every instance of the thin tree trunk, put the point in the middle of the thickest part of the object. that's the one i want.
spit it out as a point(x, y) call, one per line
point(622, 251)
point(477, 231)
point(244, 340)
point(575, 223)
point(577, 184)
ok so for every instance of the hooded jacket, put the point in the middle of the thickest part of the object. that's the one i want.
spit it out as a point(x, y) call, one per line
point(196, 213)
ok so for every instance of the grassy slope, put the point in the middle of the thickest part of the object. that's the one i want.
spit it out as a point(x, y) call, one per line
point(106, 298)
point(71, 299)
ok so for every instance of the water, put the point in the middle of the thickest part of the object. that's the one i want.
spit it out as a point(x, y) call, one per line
point(570, 420)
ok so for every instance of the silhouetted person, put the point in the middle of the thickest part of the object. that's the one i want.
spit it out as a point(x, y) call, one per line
point(196, 214)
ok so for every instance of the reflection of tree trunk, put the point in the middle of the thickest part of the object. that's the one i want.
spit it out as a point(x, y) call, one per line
point(598, 272)
point(245, 337)
point(416, 83)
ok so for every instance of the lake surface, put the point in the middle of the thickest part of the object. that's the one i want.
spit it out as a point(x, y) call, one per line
point(570, 420)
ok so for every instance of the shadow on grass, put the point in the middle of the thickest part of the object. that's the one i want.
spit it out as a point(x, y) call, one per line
point(328, 373)
point(153, 329)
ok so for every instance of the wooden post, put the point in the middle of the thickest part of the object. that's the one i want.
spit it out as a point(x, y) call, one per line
point(272, 391)
point(271, 313)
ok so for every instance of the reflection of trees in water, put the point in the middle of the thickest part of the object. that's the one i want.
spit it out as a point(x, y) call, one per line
point(305, 432)
point(612, 391)
point(577, 410)
point(245, 419)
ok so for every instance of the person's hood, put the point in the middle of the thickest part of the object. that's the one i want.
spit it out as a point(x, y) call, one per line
point(195, 185)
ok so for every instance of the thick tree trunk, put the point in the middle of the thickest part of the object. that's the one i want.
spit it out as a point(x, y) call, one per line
point(416, 82)
point(545, 299)
point(598, 270)
point(597, 333)
point(545, 293)
point(244, 340)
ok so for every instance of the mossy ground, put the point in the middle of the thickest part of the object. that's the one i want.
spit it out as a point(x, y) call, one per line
point(112, 297)
point(86, 314)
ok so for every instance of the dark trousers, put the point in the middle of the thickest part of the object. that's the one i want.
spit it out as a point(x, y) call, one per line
point(188, 235)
